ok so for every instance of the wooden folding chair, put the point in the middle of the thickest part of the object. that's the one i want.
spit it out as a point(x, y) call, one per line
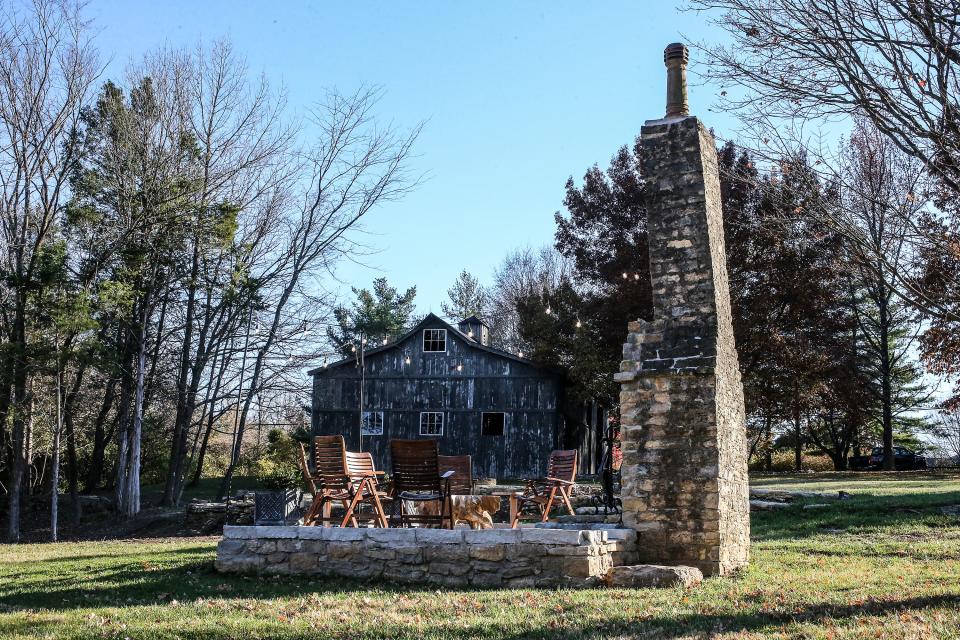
point(461, 483)
point(363, 478)
point(417, 479)
point(330, 463)
point(543, 492)
point(310, 517)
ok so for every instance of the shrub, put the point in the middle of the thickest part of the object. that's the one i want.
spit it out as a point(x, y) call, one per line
point(277, 468)
point(783, 462)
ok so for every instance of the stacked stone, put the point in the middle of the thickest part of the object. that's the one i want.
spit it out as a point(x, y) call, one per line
point(498, 557)
point(685, 487)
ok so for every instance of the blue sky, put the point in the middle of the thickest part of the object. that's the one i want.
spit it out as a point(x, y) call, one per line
point(516, 97)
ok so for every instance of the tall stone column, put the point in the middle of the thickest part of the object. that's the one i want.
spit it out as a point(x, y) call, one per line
point(685, 487)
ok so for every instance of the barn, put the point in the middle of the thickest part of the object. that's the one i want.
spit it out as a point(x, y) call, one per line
point(444, 382)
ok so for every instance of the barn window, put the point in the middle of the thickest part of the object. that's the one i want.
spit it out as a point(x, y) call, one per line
point(492, 424)
point(372, 423)
point(435, 340)
point(431, 423)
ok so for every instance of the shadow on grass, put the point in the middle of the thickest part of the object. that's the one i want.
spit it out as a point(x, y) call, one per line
point(673, 626)
point(775, 480)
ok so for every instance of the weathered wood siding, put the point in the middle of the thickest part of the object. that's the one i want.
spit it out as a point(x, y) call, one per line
point(486, 382)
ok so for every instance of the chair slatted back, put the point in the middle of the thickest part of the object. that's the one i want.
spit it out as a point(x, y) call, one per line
point(360, 464)
point(563, 465)
point(461, 484)
point(330, 460)
point(415, 466)
point(305, 469)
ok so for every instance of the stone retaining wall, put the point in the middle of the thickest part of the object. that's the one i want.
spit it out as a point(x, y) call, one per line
point(526, 557)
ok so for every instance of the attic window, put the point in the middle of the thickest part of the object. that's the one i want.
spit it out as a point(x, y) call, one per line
point(492, 424)
point(435, 340)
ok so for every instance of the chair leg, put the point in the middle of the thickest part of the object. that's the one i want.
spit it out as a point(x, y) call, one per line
point(548, 505)
point(514, 512)
point(448, 505)
point(350, 506)
point(310, 517)
point(564, 493)
point(378, 509)
point(326, 511)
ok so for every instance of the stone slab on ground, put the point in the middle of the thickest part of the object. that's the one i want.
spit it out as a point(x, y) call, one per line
point(654, 575)
point(768, 505)
point(782, 495)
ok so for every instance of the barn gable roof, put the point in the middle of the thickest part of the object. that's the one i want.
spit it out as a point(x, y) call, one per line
point(433, 321)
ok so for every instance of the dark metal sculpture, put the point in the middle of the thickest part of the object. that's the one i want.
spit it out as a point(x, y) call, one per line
point(609, 500)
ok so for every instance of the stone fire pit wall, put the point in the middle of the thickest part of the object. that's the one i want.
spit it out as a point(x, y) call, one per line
point(492, 557)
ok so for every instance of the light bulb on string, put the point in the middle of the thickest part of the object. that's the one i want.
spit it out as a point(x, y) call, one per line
point(579, 324)
point(353, 348)
point(636, 276)
point(384, 341)
point(406, 360)
point(549, 310)
point(624, 275)
point(520, 354)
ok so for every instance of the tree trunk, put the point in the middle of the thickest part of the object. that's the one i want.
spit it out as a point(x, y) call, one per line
point(55, 465)
point(18, 345)
point(886, 394)
point(798, 437)
point(100, 439)
point(132, 506)
point(184, 411)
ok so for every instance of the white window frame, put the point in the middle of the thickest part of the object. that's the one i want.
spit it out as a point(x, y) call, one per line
point(442, 332)
point(435, 413)
point(503, 433)
point(366, 430)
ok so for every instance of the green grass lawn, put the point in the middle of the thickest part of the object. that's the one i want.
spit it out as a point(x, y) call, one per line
point(884, 564)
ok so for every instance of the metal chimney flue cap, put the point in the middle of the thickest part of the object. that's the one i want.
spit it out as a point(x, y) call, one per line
point(675, 51)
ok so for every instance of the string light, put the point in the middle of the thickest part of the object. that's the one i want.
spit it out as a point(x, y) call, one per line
point(548, 311)
point(459, 366)
point(406, 360)
point(364, 341)
point(353, 348)
point(520, 354)
point(579, 324)
point(384, 341)
point(470, 333)
point(636, 276)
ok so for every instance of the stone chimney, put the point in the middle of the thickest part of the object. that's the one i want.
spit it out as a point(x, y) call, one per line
point(685, 487)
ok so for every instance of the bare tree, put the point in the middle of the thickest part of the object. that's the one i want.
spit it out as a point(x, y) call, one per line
point(47, 66)
point(894, 61)
point(794, 71)
point(947, 431)
point(354, 167)
point(521, 274)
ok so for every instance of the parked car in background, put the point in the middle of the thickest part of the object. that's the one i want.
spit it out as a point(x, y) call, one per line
point(903, 459)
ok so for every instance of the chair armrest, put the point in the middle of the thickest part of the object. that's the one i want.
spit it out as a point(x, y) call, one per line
point(447, 474)
point(359, 476)
point(559, 481)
